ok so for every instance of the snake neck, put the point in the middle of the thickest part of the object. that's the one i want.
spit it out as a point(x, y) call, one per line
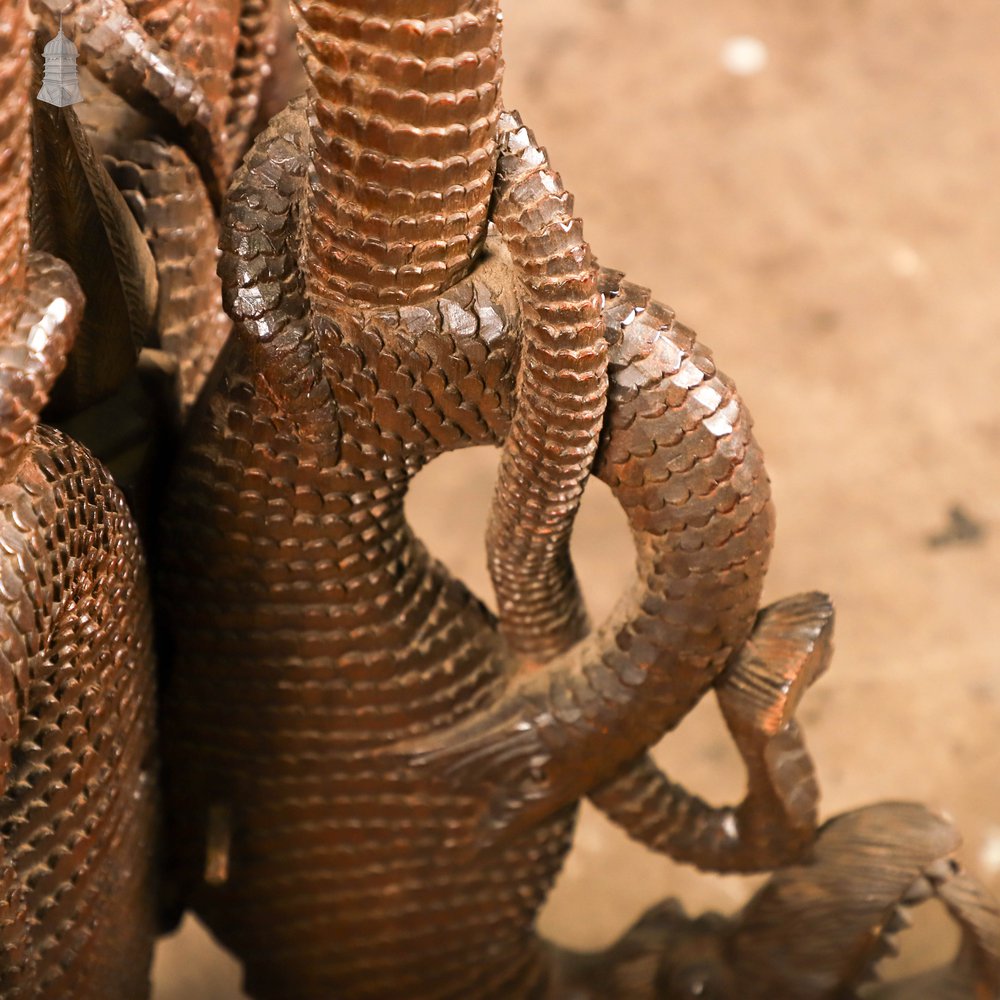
point(403, 143)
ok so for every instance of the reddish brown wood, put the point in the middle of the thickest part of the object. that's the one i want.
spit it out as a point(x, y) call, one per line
point(372, 782)
point(14, 147)
point(78, 788)
point(404, 143)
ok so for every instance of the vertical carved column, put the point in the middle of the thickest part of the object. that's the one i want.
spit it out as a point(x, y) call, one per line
point(403, 143)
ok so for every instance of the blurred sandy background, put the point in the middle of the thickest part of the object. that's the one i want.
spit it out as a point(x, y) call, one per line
point(814, 188)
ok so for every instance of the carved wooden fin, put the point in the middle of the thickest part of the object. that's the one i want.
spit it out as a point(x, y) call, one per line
point(846, 900)
point(788, 650)
point(78, 215)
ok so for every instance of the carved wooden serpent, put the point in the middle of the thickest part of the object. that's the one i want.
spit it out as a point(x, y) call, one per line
point(372, 780)
point(78, 784)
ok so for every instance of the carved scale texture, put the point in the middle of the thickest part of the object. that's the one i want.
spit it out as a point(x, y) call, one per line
point(404, 143)
point(323, 640)
point(313, 633)
point(162, 188)
point(77, 816)
point(202, 39)
point(562, 386)
point(34, 350)
point(667, 818)
point(77, 796)
point(14, 147)
point(194, 68)
point(788, 649)
point(78, 215)
point(828, 920)
point(258, 33)
point(201, 36)
point(817, 929)
point(677, 451)
point(118, 50)
point(346, 636)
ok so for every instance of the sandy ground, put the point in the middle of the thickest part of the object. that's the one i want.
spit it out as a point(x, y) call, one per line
point(829, 224)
